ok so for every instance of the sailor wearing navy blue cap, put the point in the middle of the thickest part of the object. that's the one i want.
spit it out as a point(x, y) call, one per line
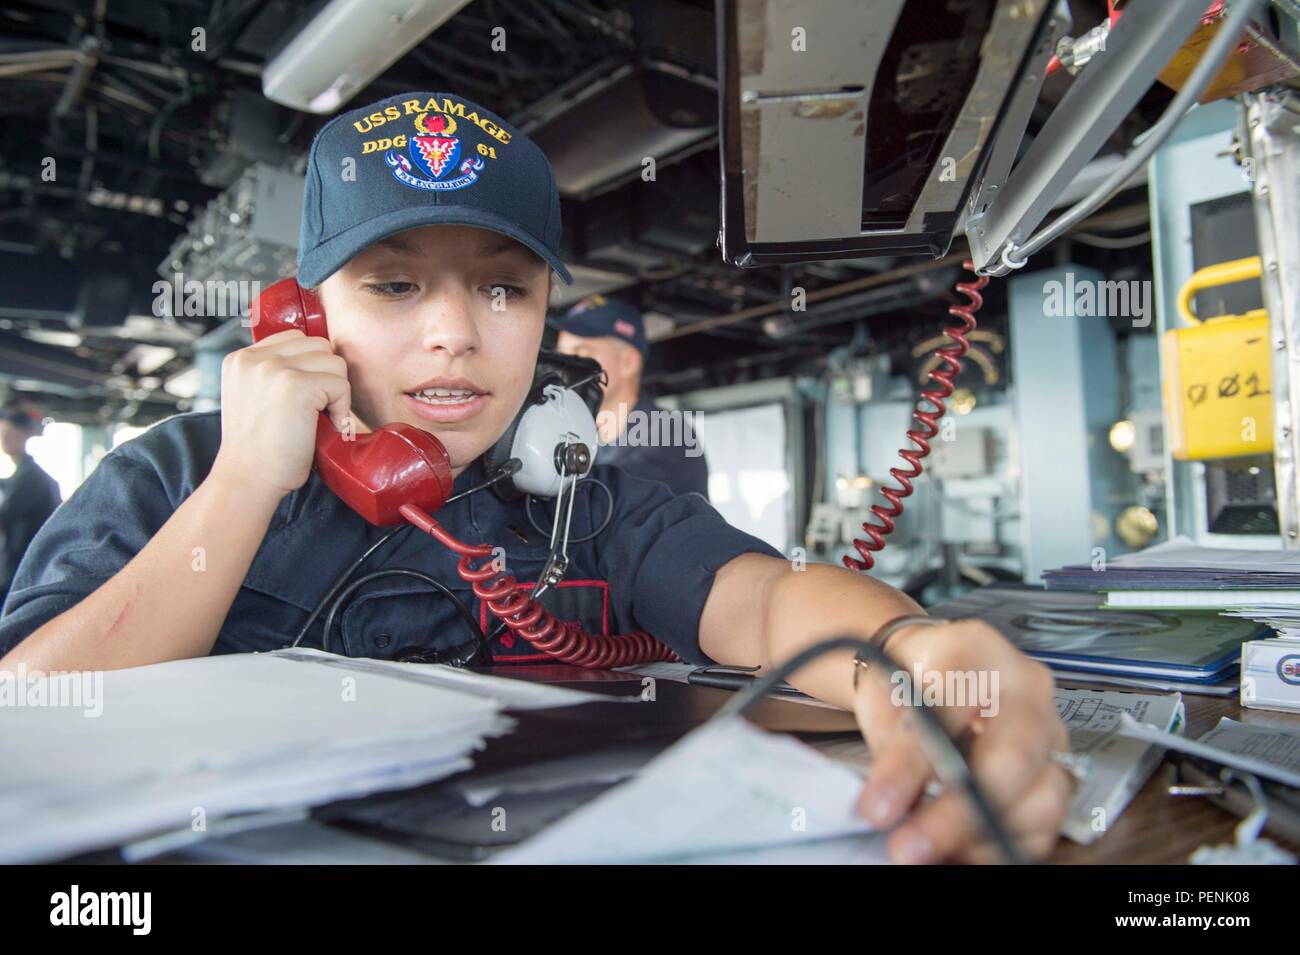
point(431, 232)
point(635, 433)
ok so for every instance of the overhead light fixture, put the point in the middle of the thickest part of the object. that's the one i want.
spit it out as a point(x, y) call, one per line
point(50, 336)
point(184, 384)
point(344, 44)
point(149, 358)
point(648, 109)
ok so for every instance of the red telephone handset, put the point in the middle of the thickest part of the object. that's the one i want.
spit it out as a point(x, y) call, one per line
point(377, 473)
point(402, 473)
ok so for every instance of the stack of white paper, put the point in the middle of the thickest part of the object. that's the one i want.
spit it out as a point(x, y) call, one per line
point(176, 744)
point(1118, 766)
point(726, 792)
point(1267, 751)
point(1262, 585)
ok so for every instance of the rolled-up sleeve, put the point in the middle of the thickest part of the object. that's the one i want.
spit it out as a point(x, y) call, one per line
point(91, 536)
point(660, 555)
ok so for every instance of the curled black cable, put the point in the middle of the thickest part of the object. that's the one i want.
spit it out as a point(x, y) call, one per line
point(506, 470)
point(609, 514)
point(949, 764)
point(483, 652)
point(602, 376)
point(342, 578)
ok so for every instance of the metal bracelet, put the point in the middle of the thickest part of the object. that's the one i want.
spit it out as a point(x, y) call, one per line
point(882, 635)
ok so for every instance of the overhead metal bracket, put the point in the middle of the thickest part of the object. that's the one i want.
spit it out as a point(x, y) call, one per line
point(1106, 91)
point(1270, 143)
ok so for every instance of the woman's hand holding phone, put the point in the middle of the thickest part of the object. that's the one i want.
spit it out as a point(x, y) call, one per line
point(272, 395)
point(156, 607)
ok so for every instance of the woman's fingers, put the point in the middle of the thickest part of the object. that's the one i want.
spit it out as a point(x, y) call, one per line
point(900, 767)
point(899, 772)
point(1009, 756)
point(1034, 823)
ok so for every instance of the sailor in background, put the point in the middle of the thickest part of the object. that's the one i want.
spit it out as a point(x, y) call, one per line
point(632, 427)
point(29, 496)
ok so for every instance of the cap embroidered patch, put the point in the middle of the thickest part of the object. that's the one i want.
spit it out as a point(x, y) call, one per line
point(458, 164)
point(433, 147)
point(590, 302)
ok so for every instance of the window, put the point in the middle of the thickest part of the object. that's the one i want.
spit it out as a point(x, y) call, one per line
point(748, 483)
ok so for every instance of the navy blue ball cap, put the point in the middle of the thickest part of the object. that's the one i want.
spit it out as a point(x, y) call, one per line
point(597, 316)
point(419, 159)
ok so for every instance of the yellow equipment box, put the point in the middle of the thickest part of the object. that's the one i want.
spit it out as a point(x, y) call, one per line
point(1218, 374)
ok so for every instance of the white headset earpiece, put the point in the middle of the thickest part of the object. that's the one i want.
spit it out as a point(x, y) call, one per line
point(557, 432)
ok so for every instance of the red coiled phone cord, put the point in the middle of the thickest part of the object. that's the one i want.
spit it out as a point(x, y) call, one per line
point(942, 378)
point(527, 618)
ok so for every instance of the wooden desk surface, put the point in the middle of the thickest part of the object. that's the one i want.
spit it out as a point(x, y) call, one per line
point(1157, 828)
